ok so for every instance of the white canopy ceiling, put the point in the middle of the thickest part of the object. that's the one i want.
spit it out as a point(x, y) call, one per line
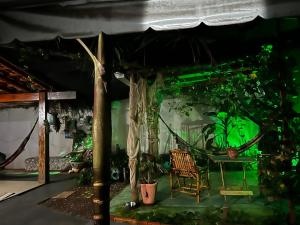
point(33, 20)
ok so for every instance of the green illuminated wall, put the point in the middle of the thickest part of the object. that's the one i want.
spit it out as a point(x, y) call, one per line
point(119, 110)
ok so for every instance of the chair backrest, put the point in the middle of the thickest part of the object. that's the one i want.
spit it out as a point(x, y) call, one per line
point(182, 163)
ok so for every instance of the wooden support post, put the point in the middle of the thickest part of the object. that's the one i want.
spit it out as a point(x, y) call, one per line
point(43, 141)
point(101, 142)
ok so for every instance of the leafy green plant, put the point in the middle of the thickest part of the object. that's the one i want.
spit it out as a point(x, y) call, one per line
point(148, 170)
point(210, 216)
point(85, 176)
point(260, 88)
point(82, 148)
point(119, 159)
point(88, 142)
point(217, 140)
point(76, 156)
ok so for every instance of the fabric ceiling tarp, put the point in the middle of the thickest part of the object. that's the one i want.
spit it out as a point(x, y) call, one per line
point(33, 20)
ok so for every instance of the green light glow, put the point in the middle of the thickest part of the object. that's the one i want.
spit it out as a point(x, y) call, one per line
point(115, 104)
point(295, 162)
point(185, 83)
point(51, 173)
point(192, 75)
point(184, 135)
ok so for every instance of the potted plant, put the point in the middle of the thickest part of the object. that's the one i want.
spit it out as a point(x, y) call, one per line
point(148, 175)
point(76, 160)
point(119, 165)
point(81, 155)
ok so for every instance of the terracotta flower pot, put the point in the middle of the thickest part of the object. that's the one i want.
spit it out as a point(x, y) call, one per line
point(148, 192)
point(232, 153)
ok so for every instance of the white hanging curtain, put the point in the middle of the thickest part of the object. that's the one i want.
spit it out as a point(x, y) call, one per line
point(136, 114)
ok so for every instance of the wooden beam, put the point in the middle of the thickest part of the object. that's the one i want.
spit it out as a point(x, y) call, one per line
point(43, 177)
point(31, 97)
point(65, 95)
point(233, 192)
point(23, 97)
point(3, 87)
point(10, 68)
point(12, 83)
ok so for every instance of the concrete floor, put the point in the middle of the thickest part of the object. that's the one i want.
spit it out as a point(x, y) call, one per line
point(15, 182)
point(207, 198)
point(26, 208)
point(12, 188)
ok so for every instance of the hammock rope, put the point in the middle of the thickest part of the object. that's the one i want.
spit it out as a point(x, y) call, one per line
point(183, 144)
point(19, 150)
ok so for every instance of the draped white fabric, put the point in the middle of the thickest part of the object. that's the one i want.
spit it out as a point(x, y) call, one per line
point(31, 20)
point(137, 98)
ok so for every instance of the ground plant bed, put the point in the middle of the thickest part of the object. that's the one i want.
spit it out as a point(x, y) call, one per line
point(79, 203)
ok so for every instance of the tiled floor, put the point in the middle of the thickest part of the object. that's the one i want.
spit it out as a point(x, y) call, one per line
point(25, 208)
point(16, 187)
point(212, 199)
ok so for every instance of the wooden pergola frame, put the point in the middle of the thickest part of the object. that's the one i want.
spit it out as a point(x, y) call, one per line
point(18, 87)
point(42, 98)
point(15, 80)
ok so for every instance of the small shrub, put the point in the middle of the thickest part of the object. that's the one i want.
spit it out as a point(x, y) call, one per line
point(85, 176)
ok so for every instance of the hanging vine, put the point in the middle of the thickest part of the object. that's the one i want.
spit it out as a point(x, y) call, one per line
point(154, 100)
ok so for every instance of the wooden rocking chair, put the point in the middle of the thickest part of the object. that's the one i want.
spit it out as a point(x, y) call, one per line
point(185, 175)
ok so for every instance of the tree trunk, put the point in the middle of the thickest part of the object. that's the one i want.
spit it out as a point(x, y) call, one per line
point(286, 143)
point(153, 106)
point(292, 212)
point(152, 122)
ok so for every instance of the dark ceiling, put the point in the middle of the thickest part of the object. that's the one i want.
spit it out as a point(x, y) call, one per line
point(61, 64)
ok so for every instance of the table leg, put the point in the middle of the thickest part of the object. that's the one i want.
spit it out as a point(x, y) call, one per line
point(208, 172)
point(222, 177)
point(245, 184)
point(171, 184)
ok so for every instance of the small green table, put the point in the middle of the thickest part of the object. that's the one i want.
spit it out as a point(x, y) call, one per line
point(230, 190)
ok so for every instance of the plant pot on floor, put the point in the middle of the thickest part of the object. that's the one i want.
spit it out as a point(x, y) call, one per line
point(76, 166)
point(148, 192)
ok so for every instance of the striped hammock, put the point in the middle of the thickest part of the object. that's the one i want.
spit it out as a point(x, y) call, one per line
point(19, 150)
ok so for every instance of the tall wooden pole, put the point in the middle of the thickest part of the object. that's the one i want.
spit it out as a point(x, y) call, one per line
point(101, 141)
point(43, 140)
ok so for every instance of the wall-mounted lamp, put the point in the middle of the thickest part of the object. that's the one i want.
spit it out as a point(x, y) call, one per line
point(121, 77)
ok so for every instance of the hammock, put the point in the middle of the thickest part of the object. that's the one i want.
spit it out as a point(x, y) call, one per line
point(182, 143)
point(19, 150)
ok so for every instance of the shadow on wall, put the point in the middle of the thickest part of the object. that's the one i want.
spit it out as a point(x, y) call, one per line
point(119, 123)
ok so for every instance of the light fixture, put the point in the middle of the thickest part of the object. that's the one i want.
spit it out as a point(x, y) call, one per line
point(121, 77)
